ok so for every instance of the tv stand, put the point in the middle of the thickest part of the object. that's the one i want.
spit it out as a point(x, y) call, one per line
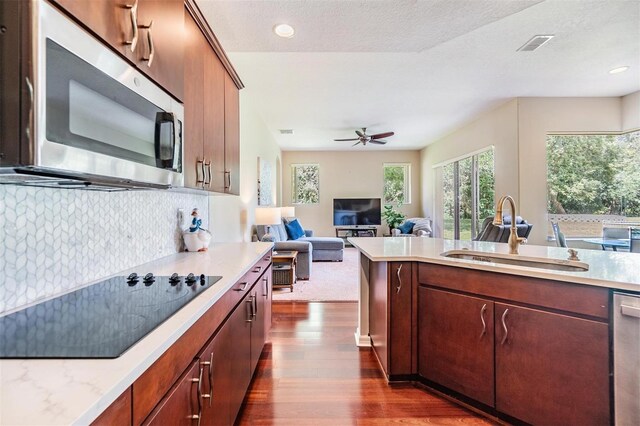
point(345, 232)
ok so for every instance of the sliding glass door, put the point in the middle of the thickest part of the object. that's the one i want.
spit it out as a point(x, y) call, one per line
point(467, 195)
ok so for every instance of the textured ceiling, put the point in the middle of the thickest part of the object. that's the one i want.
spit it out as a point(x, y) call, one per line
point(419, 68)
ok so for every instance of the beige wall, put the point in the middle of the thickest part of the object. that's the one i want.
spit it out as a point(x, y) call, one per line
point(539, 117)
point(631, 111)
point(498, 128)
point(232, 217)
point(352, 174)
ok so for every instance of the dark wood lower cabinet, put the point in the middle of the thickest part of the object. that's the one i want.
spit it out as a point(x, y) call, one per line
point(240, 351)
point(551, 368)
point(456, 342)
point(181, 404)
point(118, 413)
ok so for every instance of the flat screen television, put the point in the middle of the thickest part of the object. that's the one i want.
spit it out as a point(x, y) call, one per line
point(356, 211)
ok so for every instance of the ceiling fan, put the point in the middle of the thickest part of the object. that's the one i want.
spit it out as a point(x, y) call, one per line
point(363, 138)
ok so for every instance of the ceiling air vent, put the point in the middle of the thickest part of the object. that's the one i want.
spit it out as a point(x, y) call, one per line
point(535, 43)
point(286, 131)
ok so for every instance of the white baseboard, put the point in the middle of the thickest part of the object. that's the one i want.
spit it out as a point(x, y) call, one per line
point(362, 341)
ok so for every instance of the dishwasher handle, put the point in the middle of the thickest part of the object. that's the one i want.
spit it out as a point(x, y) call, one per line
point(630, 311)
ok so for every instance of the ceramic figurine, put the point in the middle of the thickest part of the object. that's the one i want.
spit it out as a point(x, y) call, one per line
point(196, 238)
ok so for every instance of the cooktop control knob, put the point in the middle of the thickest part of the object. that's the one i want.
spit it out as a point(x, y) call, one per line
point(149, 279)
point(174, 279)
point(191, 279)
point(203, 279)
point(132, 278)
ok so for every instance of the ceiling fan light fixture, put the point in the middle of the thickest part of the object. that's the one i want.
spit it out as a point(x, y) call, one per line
point(619, 70)
point(284, 30)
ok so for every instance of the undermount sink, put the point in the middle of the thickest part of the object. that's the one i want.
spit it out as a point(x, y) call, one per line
point(517, 260)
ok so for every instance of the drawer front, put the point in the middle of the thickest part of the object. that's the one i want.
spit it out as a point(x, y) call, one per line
point(576, 298)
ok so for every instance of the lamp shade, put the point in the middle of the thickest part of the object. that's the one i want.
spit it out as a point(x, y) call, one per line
point(268, 216)
point(288, 211)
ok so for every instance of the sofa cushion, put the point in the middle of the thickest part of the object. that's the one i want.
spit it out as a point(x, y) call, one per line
point(406, 227)
point(421, 223)
point(294, 229)
point(325, 243)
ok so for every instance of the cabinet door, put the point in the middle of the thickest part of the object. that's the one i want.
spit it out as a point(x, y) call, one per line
point(181, 404)
point(114, 21)
point(551, 368)
point(400, 289)
point(231, 136)
point(267, 295)
point(214, 73)
point(193, 167)
point(240, 352)
point(217, 379)
point(161, 47)
point(455, 342)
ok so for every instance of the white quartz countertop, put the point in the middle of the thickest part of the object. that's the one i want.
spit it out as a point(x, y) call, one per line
point(76, 391)
point(606, 268)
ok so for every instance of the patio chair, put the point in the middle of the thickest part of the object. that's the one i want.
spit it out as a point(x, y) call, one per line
point(560, 240)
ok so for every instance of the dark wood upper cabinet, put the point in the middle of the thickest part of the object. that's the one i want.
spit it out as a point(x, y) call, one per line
point(456, 342)
point(214, 122)
point(551, 368)
point(231, 136)
point(120, 23)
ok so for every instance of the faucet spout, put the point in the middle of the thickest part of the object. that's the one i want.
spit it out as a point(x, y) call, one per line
point(514, 240)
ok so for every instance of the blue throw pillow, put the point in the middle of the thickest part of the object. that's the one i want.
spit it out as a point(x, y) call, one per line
point(294, 229)
point(406, 227)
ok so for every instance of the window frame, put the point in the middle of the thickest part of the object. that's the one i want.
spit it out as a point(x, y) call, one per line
point(294, 184)
point(407, 183)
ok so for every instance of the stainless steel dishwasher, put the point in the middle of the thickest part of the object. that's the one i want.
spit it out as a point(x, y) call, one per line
point(626, 358)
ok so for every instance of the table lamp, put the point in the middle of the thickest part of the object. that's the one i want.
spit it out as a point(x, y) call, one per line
point(268, 216)
point(288, 212)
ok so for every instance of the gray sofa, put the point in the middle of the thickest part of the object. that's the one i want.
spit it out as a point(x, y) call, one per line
point(309, 248)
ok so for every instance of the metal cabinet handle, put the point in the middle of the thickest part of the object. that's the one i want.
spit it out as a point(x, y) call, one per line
point(504, 326)
point(258, 269)
point(152, 50)
point(399, 279)
point(199, 382)
point(630, 311)
point(265, 280)
point(200, 168)
point(255, 305)
point(250, 302)
point(227, 175)
point(208, 165)
point(210, 366)
point(133, 16)
point(244, 287)
point(484, 324)
point(28, 131)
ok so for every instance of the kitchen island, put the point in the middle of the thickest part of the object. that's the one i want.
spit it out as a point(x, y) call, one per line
point(516, 343)
point(77, 391)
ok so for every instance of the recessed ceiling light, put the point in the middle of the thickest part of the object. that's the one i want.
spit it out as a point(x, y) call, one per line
point(284, 30)
point(619, 70)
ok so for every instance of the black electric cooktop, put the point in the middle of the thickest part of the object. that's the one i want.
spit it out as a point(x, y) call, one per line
point(99, 321)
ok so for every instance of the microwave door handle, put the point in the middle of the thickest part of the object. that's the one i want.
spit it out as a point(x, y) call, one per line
point(161, 118)
point(177, 144)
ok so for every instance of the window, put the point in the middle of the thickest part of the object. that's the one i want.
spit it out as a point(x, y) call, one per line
point(468, 190)
point(593, 178)
point(397, 183)
point(305, 183)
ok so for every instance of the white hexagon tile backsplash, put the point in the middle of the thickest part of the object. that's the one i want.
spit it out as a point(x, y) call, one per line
point(55, 240)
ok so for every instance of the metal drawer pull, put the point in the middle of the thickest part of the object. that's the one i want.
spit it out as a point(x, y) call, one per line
point(630, 311)
point(504, 326)
point(484, 324)
point(399, 279)
point(258, 269)
point(152, 50)
point(199, 382)
point(133, 15)
point(265, 280)
point(244, 287)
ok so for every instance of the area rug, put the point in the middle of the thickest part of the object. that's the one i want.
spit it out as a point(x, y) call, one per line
point(329, 282)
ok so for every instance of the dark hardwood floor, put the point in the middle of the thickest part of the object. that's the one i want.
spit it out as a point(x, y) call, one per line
point(311, 373)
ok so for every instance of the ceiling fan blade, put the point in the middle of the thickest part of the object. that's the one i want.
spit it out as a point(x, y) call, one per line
point(357, 143)
point(343, 140)
point(378, 141)
point(359, 133)
point(382, 135)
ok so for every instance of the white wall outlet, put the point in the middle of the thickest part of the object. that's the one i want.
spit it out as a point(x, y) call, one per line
point(181, 218)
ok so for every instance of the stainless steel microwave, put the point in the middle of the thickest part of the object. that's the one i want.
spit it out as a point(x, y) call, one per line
point(93, 119)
